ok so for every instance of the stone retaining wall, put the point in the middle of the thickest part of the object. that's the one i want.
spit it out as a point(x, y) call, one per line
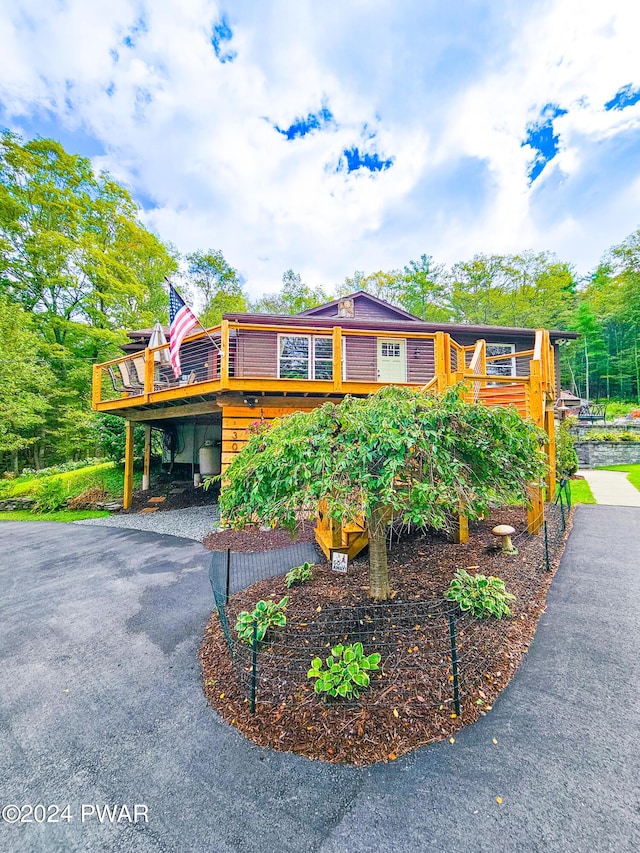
point(592, 454)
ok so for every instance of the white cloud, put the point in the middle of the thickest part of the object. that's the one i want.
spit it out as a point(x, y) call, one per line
point(447, 91)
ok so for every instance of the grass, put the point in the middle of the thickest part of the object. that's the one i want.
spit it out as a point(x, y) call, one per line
point(581, 492)
point(106, 475)
point(632, 471)
point(61, 515)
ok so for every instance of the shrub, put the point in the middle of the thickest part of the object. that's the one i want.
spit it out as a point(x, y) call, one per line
point(346, 673)
point(610, 436)
point(566, 456)
point(482, 595)
point(50, 495)
point(267, 614)
point(299, 574)
point(87, 497)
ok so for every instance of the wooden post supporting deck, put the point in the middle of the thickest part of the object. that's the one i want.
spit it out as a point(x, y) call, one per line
point(128, 465)
point(535, 510)
point(147, 458)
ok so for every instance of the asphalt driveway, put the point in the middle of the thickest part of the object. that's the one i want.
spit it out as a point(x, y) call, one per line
point(101, 705)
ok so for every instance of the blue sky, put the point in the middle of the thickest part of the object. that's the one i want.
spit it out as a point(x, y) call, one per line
point(341, 136)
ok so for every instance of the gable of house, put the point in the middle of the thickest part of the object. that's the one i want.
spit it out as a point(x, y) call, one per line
point(360, 306)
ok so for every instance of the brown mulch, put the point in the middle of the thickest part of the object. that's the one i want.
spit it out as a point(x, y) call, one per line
point(177, 495)
point(409, 702)
point(254, 539)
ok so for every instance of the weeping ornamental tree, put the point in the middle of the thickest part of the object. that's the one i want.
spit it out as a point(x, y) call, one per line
point(395, 454)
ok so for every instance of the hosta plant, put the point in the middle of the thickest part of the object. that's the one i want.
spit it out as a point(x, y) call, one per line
point(298, 574)
point(346, 673)
point(479, 594)
point(267, 614)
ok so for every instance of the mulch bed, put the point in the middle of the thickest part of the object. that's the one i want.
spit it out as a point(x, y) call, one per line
point(409, 702)
point(177, 495)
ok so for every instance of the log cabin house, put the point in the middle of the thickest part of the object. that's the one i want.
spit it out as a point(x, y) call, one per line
point(256, 367)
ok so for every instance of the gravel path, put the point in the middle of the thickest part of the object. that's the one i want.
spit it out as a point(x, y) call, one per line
point(192, 523)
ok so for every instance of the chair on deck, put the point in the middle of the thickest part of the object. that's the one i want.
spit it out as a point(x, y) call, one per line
point(136, 371)
point(121, 380)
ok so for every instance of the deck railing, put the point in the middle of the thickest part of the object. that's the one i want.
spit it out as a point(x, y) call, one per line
point(250, 358)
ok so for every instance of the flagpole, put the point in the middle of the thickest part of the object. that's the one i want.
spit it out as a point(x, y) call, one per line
point(213, 341)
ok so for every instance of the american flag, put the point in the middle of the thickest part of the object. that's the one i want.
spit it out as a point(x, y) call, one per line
point(182, 321)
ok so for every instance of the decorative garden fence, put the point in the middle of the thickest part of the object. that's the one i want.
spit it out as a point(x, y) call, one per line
point(431, 652)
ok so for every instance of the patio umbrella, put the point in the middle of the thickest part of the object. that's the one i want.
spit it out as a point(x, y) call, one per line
point(158, 339)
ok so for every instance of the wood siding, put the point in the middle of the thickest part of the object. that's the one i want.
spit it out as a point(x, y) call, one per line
point(420, 361)
point(361, 359)
point(363, 310)
point(522, 344)
point(256, 354)
point(236, 421)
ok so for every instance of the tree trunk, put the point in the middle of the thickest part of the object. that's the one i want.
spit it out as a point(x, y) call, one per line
point(378, 563)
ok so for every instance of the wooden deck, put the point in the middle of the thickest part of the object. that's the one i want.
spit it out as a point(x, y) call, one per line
point(235, 373)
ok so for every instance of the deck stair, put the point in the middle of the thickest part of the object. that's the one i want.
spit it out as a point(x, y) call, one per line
point(332, 535)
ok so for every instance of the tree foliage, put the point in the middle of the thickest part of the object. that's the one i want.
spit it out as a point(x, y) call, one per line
point(209, 274)
point(395, 454)
point(76, 268)
point(73, 250)
point(294, 297)
point(27, 384)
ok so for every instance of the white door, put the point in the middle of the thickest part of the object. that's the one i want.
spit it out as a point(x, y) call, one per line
point(392, 360)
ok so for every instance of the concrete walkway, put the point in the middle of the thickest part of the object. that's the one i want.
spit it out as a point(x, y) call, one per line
point(101, 703)
point(611, 487)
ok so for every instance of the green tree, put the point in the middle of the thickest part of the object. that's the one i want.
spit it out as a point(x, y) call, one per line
point(218, 282)
point(27, 384)
point(423, 290)
point(73, 250)
point(397, 453)
point(528, 290)
point(477, 290)
point(383, 285)
point(74, 255)
point(294, 297)
point(623, 320)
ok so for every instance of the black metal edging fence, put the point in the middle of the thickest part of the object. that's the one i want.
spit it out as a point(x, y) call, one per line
point(454, 663)
point(450, 652)
point(563, 499)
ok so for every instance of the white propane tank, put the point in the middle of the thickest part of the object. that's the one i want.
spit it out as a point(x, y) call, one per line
point(209, 459)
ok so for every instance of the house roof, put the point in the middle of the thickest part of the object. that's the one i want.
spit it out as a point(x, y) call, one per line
point(363, 296)
point(400, 322)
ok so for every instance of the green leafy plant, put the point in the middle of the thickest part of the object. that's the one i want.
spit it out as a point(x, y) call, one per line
point(482, 595)
point(299, 574)
point(347, 671)
point(50, 495)
point(610, 436)
point(267, 614)
point(566, 456)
